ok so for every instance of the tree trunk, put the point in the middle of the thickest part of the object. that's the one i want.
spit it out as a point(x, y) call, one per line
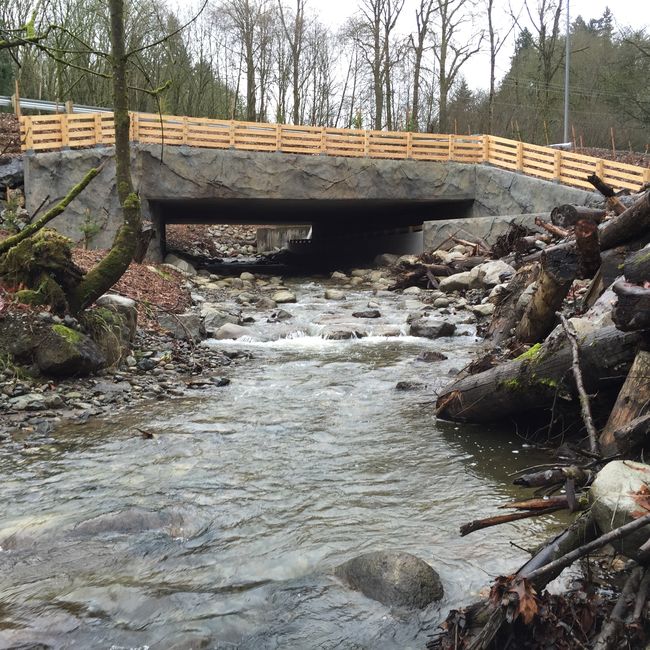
point(559, 268)
point(637, 266)
point(588, 247)
point(111, 268)
point(568, 215)
point(630, 224)
point(632, 309)
point(532, 381)
point(633, 435)
point(633, 401)
point(506, 315)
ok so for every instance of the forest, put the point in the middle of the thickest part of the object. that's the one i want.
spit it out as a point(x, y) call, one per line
point(388, 65)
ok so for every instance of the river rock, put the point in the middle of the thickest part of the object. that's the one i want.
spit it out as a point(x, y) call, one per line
point(440, 303)
point(283, 296)
point(489, 274)
point(29, 402)
point(214, 317)
point(431, 328)
point(410, 385)
point(247, 276)
point(618, 495)
point(180, 264)
point(266, 303)
point(334, 294)
point(231, 331)
point(486, 309)
point(12, 173)
point(412, 291)
point(64, 352)
point(279, 316)
point(337, 275)
point(386, 259)
point(430, 356)
point(343, 334)
point(369, 313)
point(394, 578)
point(457, 282)
point(187, 327)
point(121, 305)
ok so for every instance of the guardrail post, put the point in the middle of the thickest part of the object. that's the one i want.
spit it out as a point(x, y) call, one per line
point(486, 148)
point(134, 130)
point(232, 134)
point(520, 156)
point(452, 141)
point(366, 143)
point(557, 165)
point(409, 144)
point(646, 175)
point(600, 168)
point(26, 131)
point(323, 142)
point(98, 135)
point(186, 130)
point(65, 131)
point(278, 137)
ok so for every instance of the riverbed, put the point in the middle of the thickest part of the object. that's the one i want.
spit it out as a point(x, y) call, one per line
point(222, 530)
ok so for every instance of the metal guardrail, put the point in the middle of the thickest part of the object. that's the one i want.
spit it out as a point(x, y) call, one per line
point(51, 107)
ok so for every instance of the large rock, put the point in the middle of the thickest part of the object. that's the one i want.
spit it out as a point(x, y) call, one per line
point(65, 352)
point(489, 274)
point(334, 294)
point(121, 305)
point(431, 328)
point(12, 173)
point(618, 495)
point(111, 325)
point(457, 282)
point(231, 331)
point(214, 317)
point(393, 578)
point(180, 264)
point(283, 296)
point(186, 326)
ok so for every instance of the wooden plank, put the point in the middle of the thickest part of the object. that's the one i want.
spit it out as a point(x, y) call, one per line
point(613, 174)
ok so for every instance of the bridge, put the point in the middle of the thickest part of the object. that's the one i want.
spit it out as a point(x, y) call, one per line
point(347, 184)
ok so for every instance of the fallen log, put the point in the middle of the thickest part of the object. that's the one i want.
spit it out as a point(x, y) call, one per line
point(567, 216)
point(632, 309)
point(633, 435)
point(588, 247)
point(612, 201)
point(555, 475)
point(633, 401)
point(532, 381)
point(637, 266)
point(559, 267)
point(480, 524)
point(537, 504)
point(507, 313)
point(524, 244)
point(556, 231)
point(630, 224)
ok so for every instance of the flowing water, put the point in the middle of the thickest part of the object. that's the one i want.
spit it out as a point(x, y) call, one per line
point(222, 531)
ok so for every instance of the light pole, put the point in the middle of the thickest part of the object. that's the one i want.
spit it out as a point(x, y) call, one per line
point(567, 57)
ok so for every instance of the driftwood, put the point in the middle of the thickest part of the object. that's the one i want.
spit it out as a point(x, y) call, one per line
point(614, 204)
point(524, 244)
point(585, 408)
point(480, 524)
point(567, 216)
point(555, 475)
point(633, 435)
point(628, 225)
point(637, 266)
point(533, 381)
point(615, 625)
point(506, 315)
point(632, 309)
point(633, 401)
point(588, 247)
point(549, 227)
point(559, 269)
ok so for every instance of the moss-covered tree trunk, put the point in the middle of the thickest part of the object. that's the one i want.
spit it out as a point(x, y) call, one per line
point(112, 267)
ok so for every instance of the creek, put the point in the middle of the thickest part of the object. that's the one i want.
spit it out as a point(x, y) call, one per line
point(222, 531)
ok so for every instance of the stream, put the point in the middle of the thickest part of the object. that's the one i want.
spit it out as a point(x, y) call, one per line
point(222, 531)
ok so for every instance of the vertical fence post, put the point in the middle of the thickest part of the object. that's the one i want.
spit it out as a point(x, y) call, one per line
point(486, 148)
point(600, 168)
point(366, 143)
point(15, 100)
point(26, 128)
point(520, 156)
point(646, 175)
point(409, 144)
point(65, 131)
point(232, 134)
point(97, 128)
point(278, 137)
point(452, 141)
point(557, 165)
point(185, 134)
point(323, 141)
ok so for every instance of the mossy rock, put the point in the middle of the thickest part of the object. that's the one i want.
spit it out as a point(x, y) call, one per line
point(111, 330)
point(65, 352)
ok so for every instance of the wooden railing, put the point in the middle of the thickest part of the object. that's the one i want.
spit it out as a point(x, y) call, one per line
point(51, 132)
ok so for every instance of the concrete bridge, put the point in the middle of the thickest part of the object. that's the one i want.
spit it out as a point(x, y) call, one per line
point(385, 189)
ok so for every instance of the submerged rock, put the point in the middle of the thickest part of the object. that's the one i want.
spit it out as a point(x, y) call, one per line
point(370, 313)
point(394, 578)
point(334, 294)
point(431, 328)
point(231, 331)
point(283, 296)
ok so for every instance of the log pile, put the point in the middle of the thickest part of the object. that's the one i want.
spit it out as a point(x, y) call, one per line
point(570, 348)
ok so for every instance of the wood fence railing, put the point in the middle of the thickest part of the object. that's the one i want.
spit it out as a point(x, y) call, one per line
point(51, 132)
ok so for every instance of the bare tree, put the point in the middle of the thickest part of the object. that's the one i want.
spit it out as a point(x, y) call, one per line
point(423, 16)
point(294, 28)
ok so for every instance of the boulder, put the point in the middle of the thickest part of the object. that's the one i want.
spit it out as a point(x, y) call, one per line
point(489, 274)
point(279, 316)
point(283, 296)
point(214, 317)
point(334, 294)
point(337, 275)
point(486, 309)
point(618, 495)
point(266, 303)
point(431, 328)
point(457, 282)
point(12, 173)
point(343, 334)
point(121, 305)
point(394, 578)
point(430, 356)
point(187, 327)
point(410, 385)
point(112, 327)
point(231, 331)
point(412, 291)
point(369, 313)
point(64, 352)
point(180, 264)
